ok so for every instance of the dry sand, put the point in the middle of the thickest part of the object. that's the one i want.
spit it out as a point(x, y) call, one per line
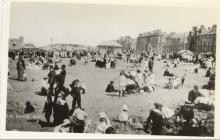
point(96, 100)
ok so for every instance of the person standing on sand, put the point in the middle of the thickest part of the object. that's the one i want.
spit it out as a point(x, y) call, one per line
point(48, 107)
point(122, 84)
point(20, 68)
point(63, 74)
point(51, 75)
point(76, 93)
point(151, 64)
point(60, 79)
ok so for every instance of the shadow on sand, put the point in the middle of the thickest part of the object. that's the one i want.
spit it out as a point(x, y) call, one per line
point(40, 93)
point(40, 122)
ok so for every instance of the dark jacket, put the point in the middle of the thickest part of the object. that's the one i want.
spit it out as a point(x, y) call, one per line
point(208, 73)
point(193, 95)
point(51, 76)
point(155, 119)
point(62, 76)
point(48, 109)
point(110, 88)
point(29, 109)
point(75, 92)
point(150, 64)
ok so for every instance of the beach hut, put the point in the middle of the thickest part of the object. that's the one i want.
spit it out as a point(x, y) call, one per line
point(110, 46)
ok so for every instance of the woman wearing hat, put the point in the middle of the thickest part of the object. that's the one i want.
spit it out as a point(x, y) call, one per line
point(103, 123)
point(79, 121)
point(60, 109)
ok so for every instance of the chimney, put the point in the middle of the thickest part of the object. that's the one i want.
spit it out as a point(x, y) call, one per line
point(214, 28)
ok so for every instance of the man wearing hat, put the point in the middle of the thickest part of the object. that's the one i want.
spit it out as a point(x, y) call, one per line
point(63, 74)
point(155, 119)
point(20, 68)
point(76, 93)
point(60, 83)
point(193, 94)
point(51, 75)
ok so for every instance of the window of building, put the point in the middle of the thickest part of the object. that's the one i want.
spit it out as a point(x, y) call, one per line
point(14, 44)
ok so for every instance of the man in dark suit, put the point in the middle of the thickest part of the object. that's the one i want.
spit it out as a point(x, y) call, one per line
point(76, 93)
point(20, 68)
point(193, 94)
point(51, 75)
point(63, 74)
point(151, 64)
point(155, 121)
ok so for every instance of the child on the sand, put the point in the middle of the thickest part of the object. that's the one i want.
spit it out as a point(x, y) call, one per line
point(29, 108)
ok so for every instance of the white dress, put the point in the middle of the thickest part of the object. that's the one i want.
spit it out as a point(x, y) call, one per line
point(123, 117)
point(122, 82)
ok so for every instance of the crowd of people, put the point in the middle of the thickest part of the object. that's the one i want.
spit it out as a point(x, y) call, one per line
point(137, 78)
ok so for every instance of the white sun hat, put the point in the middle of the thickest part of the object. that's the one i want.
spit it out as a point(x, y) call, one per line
point(124, 107)
point(102, 115)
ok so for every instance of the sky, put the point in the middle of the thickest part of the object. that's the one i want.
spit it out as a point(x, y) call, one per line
point(90, 24)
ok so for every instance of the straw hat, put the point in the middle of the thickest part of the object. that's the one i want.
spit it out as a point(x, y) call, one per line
point(78, 117)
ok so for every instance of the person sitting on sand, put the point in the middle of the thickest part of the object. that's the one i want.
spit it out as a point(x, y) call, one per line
point(167, 73)
point(79, 121)
point(110, 130)
point(193, 94)
point(208, 73)
point(29, 108)
point(131, 86)
point(63, 128)
point(103, 123)
point(72, 62)
point(110, 87)
point(123, 116)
